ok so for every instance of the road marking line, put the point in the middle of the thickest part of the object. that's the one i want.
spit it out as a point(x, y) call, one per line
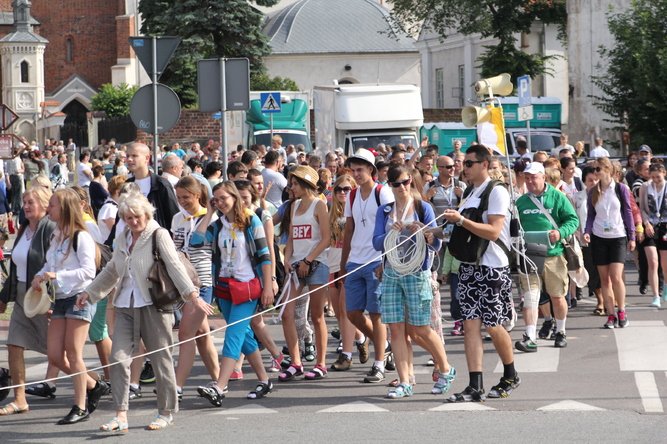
point(354, 407)
point(642, 346)
point(461, 407)
point(249, 409)
point(570, 405)
point(648, 391)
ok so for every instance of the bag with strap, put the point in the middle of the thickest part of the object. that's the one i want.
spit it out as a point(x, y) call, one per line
point(102, 253)
point(572, 250)
point(466, 246)
point(164, 294)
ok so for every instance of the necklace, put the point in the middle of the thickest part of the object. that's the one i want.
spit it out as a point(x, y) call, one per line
point(29, 233)
point(363, 208)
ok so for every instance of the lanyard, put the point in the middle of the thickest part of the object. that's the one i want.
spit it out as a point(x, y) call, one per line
point(658, 202)
point(405, 210)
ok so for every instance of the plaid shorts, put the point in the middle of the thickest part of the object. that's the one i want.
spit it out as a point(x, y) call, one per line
point(411, 293)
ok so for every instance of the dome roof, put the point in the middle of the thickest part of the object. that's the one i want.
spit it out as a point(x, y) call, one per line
point(351, 26)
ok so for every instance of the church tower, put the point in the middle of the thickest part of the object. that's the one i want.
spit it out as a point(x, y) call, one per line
point(22, 60)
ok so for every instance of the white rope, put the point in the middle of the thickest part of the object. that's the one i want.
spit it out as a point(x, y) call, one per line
point(407, 260)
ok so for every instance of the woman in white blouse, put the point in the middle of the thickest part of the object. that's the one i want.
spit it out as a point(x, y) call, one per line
point(69, 268)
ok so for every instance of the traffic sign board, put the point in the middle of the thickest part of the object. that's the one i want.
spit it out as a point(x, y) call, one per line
point(270, 102)
point(525, 113)
point(141, 108)
point(525, 93)
point(237, 84)
point(143, 48)
point(7, 117)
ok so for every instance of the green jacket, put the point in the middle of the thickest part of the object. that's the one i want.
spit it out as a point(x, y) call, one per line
point(561, 210)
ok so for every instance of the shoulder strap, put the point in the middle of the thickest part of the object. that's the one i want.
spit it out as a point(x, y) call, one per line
point(543, 210)
point(156, 252)
point(353, 194)
point(75, 241)
point(467, 192)
point(619, 194)
point(484, 197)
point(378, 187)
point(421, 212)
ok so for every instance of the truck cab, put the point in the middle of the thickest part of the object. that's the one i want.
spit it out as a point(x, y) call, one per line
point(292, 123)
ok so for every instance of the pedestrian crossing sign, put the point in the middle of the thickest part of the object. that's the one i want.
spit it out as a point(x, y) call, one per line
point(270, 102)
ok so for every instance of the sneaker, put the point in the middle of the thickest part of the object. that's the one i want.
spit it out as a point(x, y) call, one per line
point(389, 363)
point(147, 374)
point(275, 364)
point(43, 389)
point(5, 381)
point(374, 375)
point(95, 394)
point(309, 351)
point(643, 289)
point(135, 393)
point(343, 363)
point(444, 382)
point(560, 341)
point(526, 345)
point(622, 319)
point(401, 391)
point(430, 362)
point(340, 347)
point(505, 387)
point(212, 393)
point(237, 375)
point(458, 329)
point(611, 322)
point(335, 333)
point(363, 350)
point(656, 302)
point(469, 394)
point(545, 330)
point(285, 350)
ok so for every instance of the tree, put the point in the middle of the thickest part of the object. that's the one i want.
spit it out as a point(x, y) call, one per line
point(263, 82)
point(632, 88)
point(114, 100)
point(209, 29)
point(502, 19)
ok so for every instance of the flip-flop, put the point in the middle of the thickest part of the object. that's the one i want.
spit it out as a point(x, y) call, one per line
point(13, 409)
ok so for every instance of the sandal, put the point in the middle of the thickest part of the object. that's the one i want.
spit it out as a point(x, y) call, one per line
point(469, 394)
point(309, 351)
point(115, 425)
point(444, 382)
point(292, 372)
point(13, 409)
point(212, 393)
point(261, 390)
point(160, 422)
point(401, 391)
point(396, 382)
point(318, 372)
point(599, 312)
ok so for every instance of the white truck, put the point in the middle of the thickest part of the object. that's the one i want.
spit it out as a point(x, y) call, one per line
point(364, 115)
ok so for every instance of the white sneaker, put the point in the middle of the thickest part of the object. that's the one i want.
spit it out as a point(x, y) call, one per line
point(656, 302)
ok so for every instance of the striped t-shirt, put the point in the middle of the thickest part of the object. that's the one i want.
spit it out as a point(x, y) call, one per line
point(182, 226)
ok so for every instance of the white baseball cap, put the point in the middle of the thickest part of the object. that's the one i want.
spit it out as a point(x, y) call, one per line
point(534, 168)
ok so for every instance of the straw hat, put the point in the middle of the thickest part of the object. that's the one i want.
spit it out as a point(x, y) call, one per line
point(307, 174)
point(36, 302)
point(580, 277)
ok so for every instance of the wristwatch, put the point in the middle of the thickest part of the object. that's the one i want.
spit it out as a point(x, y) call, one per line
point(459, 223)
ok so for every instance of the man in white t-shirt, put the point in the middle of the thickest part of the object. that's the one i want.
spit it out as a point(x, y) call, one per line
point(485, 285)
point(361, 286)
point(84, 174)
point(274, 181)
point(598, 151)
point(563, 145)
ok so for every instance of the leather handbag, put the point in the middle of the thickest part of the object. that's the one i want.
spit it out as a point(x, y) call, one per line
point(163, 292)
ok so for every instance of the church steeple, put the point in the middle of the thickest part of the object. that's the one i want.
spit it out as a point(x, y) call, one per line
point(22, 15)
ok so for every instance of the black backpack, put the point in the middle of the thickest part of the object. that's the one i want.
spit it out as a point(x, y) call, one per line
point(466, 246)
point(103, 253)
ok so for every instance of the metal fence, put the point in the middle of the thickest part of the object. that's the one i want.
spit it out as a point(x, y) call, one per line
point(120, 128)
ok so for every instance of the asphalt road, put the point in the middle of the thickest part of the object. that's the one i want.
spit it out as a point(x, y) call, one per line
point(607, 385)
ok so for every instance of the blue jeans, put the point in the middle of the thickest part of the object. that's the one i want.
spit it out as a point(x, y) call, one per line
point(361, 288)
point(239, 338)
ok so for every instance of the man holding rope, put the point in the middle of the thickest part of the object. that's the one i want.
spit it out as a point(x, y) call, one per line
point(485, 284)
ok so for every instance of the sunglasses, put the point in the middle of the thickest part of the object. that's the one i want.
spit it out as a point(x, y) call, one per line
point(470, 163)
point(342, 189)
point(405, 182)
point(449, 167)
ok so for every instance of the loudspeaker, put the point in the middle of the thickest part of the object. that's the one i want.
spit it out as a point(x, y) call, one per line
point(472, 115)
point(499, 85)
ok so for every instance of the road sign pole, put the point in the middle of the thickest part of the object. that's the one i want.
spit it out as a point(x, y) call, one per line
point(223, 119)
point(271, 120)
point(154, 79)
point(528, 136)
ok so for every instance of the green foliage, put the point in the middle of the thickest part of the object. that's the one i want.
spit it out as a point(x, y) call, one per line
point(262, 82)
point(114, 100)
point(501, 19)
point(632, 89)
point(209, 29)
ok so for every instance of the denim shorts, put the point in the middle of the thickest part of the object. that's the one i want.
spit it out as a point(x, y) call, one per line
point(206, 293)
point(66, 309)
point(361, 288)
point(319, 276)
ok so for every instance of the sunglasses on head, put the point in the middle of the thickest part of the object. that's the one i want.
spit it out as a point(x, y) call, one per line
point(405, 182)
point(342, 189)
point(470, 163)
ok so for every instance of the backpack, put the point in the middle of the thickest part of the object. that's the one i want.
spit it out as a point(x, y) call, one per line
point(419, 209)
point(103, 253)
point(353, 195)
point(465, 246)
point(56, 177)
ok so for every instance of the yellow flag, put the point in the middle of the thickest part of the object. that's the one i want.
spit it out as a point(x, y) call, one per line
point(492, 134)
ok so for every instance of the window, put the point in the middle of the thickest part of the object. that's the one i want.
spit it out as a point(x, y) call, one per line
point(462, 80)
point(25, 78)
point(69, 50)
point(439, 88)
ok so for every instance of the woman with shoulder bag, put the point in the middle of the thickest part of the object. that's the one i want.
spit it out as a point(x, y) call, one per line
point(242, 273)
point(306, 255)
point(654, 216)
point(136, 318)
point(610, 230)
